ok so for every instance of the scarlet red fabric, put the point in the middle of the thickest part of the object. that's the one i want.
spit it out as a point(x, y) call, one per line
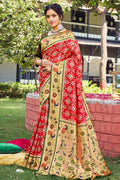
point(72, 106)
point(22, 143)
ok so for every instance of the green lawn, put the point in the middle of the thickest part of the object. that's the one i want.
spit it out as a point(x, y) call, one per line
point(12, 126)
point(12, 119)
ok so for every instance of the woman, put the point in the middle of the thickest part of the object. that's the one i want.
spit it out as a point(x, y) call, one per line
point(64, 141)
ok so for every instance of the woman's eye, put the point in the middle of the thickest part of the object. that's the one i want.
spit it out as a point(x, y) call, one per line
point(47, 17)
point(54, 15)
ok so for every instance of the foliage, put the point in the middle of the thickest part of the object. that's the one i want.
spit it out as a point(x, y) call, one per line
point(90, 87)
point(17, 90)
point(22, 25)
point(111, 4)
point(11, 89)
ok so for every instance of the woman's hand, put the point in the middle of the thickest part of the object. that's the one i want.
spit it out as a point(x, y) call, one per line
point(38, 61)
point(46, 64)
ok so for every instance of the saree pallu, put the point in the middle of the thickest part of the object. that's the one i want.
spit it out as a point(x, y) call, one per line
point(64, 142)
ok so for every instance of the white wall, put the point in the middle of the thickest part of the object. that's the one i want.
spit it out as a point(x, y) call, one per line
point(8, 72)
point(94, 66)
point(85, 63)
point(118, 64)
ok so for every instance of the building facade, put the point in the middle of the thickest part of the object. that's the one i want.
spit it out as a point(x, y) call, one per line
point(86, 27)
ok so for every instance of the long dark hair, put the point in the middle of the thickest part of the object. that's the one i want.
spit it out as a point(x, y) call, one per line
point(56, 7)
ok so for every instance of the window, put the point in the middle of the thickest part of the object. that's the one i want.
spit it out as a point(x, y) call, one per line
point(78, 16)
point(110, 23)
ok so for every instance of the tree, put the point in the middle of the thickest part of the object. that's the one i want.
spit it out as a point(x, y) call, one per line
point(102, 7)
point(22, 23)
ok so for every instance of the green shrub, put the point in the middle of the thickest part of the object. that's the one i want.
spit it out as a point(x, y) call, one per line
point(118, 91)
point(90, 87)
point(15, 90)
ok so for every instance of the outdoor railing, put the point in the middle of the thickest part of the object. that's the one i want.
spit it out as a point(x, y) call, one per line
point(91, 31)
point(28, 76)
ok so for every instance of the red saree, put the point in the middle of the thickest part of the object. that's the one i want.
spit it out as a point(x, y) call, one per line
point(64, 142)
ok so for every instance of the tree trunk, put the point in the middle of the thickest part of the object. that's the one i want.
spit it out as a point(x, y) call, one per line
point(103, 51)
point(35, 77)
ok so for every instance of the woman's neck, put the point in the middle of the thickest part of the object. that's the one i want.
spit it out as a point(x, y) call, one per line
point(56, 32)
point(55, 29)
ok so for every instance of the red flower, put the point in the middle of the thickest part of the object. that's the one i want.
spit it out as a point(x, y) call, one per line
point(43, 165)
point(49, 132)
point(52, 126)
point(55, 69)
point(53, 111)
point(49, 143)
point(82, 133)
point(71, 131)
point(54, 94)
point(53, 101)
point(44, 40)
point(46, 91)
point(63, 130)
point(46, 158)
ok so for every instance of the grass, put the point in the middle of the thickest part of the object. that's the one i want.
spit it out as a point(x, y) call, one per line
point(12, 126)
point(12, 119)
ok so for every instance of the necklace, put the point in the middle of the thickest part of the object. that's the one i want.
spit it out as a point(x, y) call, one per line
point(60, 27)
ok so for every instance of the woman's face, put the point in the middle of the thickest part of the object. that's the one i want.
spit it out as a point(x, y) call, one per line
point(53, 18)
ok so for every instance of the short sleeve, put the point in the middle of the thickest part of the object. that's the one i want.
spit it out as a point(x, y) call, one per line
point(38, 53)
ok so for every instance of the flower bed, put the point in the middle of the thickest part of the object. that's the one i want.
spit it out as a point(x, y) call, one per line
point(105, 114)
point(102, 97)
